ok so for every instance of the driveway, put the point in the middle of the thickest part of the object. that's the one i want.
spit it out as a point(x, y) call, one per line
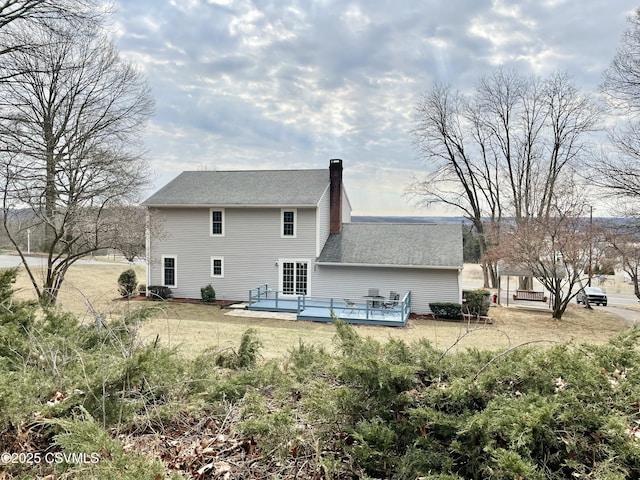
point(631, 315)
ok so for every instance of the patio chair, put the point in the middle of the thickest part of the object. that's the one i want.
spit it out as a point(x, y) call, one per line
point(394, 298)
point(350, 306)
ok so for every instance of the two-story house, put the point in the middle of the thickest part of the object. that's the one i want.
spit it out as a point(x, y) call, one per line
point(292, 230)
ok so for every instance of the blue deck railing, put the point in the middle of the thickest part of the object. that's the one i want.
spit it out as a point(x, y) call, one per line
point(316, 308)
point(405, 304)
point(261, 293)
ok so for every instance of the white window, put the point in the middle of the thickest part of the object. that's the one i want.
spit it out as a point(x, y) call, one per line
point(294, 277)
point(217, 266)
point(216, 222)
point(169, 270)
point(288, 222)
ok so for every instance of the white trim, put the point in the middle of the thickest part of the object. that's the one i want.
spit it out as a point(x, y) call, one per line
point(282, 261)
point(221, 267)
point(318, 226)
point(244, 205)
point(216, 209)
point(388, 265)
point(295, 222)
point(175, 271)
point(147, 244)
point(323, 194)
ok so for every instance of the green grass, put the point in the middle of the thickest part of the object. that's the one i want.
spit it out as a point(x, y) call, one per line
point(196, 327)
point(332, 401)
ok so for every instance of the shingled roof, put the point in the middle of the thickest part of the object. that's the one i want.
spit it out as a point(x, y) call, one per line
point(243, 187)
point(395, 245)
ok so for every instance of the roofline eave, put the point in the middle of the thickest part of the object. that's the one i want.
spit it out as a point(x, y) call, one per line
point(228, 205)
point(388, 265)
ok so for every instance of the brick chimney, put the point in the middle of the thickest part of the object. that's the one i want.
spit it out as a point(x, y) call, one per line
point(335, 195)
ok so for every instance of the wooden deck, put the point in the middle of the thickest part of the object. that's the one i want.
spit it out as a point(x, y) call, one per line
point(320, 310)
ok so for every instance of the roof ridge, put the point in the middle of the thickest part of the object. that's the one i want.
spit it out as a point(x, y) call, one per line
point(401, 223)
point(243, 187)
point(279, 170)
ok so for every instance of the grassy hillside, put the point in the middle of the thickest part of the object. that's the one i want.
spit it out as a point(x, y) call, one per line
point(87, 402)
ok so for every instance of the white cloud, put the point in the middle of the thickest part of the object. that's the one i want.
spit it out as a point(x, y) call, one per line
point(254, 84)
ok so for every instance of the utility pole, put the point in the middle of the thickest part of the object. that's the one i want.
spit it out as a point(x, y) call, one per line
point(590, 243)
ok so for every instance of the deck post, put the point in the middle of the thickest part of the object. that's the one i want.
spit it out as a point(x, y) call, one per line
point(406, 306)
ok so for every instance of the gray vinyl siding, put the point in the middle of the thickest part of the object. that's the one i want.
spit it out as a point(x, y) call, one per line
point(251, 248)
point(323, 221)
point(426, 285)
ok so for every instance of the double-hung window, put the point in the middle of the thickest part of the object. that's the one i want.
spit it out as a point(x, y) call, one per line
point(216, 222)
point(288, 223)
point(217, 267)
point(169, 270)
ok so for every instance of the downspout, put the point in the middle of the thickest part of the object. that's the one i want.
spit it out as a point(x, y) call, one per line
point(147, 242)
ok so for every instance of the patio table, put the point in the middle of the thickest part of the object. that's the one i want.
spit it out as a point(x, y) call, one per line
point(374, 301)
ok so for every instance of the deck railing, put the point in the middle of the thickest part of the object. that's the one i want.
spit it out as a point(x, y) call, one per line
point(263, 292)
point(258, 293)
point(406, 306)
point(299, 303)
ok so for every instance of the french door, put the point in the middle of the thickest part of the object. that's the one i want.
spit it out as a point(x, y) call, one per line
point(294, 277)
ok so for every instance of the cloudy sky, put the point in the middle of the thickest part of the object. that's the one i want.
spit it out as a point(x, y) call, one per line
point(262, 84)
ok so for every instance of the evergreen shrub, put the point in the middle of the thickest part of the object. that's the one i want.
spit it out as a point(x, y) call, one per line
point(159, 292)
point(478, 302)
point(208, 294)
point(127, 283)
point(247, 355)
point(449, 311)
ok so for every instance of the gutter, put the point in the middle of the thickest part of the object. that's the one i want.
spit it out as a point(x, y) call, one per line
point(229, 205)
point(387, 265)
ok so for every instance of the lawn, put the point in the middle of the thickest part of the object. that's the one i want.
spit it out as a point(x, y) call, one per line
point(193, 328)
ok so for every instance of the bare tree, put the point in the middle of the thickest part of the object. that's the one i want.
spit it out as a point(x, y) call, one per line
point(131, 225)
point(44, 12)
point(622, 78)
point(617, 171)
point(459, 177)
point(69, 139)
point(625, 242)
point(555, 249)
point(19, 16)
point(503, 150)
